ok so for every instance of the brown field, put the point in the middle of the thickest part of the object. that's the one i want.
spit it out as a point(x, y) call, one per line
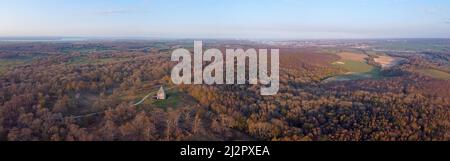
point(80, 92)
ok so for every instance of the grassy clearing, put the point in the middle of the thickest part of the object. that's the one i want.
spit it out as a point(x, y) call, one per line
point(353, 62)
point(388, 61)
point(435, 73)
point(353, 56)
point(354, 66)
point(328, 51)
point(173, 100)
point(7, 64)
point(86, 49)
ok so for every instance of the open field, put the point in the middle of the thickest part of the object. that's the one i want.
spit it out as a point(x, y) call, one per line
point(292, 58)
point(174, 97)
point(354, 66)
point(435, 73)
point(374, 73)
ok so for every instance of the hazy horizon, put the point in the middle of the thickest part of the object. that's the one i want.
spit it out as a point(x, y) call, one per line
point(230, 19)
point(113, 38)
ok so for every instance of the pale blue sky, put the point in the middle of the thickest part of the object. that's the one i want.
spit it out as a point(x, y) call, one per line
point(291, 19)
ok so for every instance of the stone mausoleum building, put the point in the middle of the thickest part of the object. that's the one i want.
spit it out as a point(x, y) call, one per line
point(161, 95)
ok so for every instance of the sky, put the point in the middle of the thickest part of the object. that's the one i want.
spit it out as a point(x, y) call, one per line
point(241, 19)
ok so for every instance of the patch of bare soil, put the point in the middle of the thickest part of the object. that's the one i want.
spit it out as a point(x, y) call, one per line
point(388, 61)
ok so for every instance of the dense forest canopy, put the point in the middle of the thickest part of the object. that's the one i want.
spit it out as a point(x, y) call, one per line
point(86, 91)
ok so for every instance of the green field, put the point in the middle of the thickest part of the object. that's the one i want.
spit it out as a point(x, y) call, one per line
point(174, 97)
point(354, 66)
point(435, 73)
point(375, 73)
